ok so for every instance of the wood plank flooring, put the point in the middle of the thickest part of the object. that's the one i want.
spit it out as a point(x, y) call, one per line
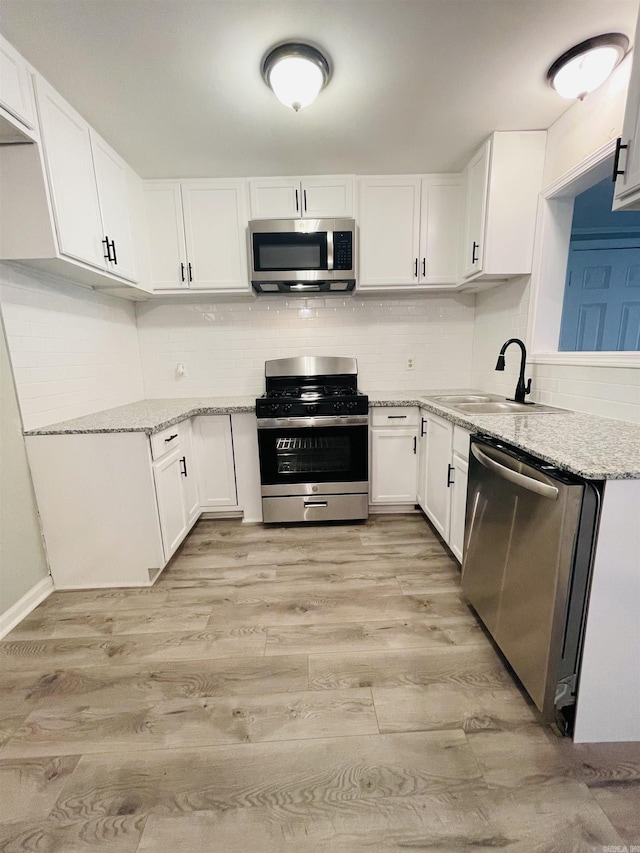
point(290, 690)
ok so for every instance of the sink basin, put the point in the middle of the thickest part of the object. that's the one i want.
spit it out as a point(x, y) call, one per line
point(504, 407)
point(455, 399)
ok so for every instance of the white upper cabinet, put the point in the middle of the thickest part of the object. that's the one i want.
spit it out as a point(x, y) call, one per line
point(113, 197)
point(165, 227)
point(88, 186)
point(440, 229)
point(409, 230)
point(627, 191)
point(197, 235)
point(215, 220)
point(502, 182)
point(310, 198)
point(16, 93)
point(72, 180)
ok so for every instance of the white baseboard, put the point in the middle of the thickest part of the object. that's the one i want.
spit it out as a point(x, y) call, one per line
point(29, 601)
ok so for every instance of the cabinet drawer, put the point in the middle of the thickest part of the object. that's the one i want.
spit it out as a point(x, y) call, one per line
point(387, 416)
point(461, 441)
point(164, 441)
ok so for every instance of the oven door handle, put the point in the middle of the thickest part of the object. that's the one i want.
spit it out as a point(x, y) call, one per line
point(309, 504)
point(308, 423)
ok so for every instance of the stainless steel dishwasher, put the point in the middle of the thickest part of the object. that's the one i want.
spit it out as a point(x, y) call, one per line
point(529, 536)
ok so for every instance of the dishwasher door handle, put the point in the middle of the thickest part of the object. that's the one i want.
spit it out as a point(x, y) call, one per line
point(528, 483)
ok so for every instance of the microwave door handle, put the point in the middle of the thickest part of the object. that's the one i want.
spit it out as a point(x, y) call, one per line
point(329, 250)
point(515, 477)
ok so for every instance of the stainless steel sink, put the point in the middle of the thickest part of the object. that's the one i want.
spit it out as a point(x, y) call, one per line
point(504, 407)
point(455, 399)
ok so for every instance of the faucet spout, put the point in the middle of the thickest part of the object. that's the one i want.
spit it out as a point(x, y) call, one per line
point(522, 389)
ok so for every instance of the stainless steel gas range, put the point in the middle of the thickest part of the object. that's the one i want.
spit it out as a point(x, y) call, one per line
point(313, 440)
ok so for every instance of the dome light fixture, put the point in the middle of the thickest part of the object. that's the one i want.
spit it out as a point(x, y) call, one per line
point(585, 67)
point(297, 73)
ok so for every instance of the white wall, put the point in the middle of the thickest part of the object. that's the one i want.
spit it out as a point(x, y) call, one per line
point(73, 350)
point(224, 345)
point(587, 125)
point(22, 560)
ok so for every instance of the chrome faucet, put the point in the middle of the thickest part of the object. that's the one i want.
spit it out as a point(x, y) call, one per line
point(521, 389)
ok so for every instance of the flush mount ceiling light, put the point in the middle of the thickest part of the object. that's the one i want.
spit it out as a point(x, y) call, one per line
point(587, 65)
point(297, 73)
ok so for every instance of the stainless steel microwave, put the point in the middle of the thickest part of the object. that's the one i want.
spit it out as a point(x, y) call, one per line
point(302, 255)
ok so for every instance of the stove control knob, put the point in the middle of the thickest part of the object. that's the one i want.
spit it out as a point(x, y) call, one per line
point(312, 408)
point(338, 406)
point(273, 408)
point(352, 405)
point(287, 408)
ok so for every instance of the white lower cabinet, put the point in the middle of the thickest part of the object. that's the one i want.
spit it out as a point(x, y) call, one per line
point(172, 506)
point(393, 468)
point(116, 506)
point(174, 473)
point(216, 469)
point(443, 466)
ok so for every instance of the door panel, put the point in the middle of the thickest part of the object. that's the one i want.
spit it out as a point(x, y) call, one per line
point(601, 308)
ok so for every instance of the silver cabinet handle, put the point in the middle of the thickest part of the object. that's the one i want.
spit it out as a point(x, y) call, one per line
point(528, 483)
point(308, 504)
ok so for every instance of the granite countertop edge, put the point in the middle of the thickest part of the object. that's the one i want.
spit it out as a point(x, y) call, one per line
point(153, 415)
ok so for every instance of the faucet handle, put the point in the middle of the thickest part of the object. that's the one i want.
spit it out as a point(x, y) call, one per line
point(527, 389)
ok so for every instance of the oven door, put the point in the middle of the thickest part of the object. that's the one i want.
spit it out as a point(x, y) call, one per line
point(313, 455)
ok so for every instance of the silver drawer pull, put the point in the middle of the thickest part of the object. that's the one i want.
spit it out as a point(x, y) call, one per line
point(309, 504)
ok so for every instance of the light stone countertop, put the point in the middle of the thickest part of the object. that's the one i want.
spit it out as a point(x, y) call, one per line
point(593, 447)
point(148, 416)
point(588, 445)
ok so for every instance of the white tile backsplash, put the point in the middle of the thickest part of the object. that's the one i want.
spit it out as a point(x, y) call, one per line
point(73, 350)
point(224, 346)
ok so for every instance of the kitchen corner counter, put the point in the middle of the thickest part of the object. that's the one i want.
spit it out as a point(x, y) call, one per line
point(590, 446)
point(149, 416)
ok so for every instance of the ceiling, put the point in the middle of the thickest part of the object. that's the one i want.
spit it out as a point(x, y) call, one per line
point(175, 85)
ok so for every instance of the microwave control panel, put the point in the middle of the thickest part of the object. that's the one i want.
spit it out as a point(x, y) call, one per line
point(342, 250)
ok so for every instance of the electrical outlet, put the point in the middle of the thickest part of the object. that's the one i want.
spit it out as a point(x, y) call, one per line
point(181, 370)
point(410, 363)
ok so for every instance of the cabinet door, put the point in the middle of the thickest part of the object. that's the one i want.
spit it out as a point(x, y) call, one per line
point(165, 227)
point(15, 86)
point(629, 182)
point(113, 197)
point(328, 197)
point(476, 181)
point(189, 473)
point(69, 162)
point(421, 491)
point(437, 498)
point(214, 461)
point(389, 220)
point(458, 505)
point(172, 510)
point(394, 466)
point(275, 198)
point(440, 229)
point(215, 218)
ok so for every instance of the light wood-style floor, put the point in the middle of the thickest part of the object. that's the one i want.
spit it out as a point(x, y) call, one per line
point(290, 690)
